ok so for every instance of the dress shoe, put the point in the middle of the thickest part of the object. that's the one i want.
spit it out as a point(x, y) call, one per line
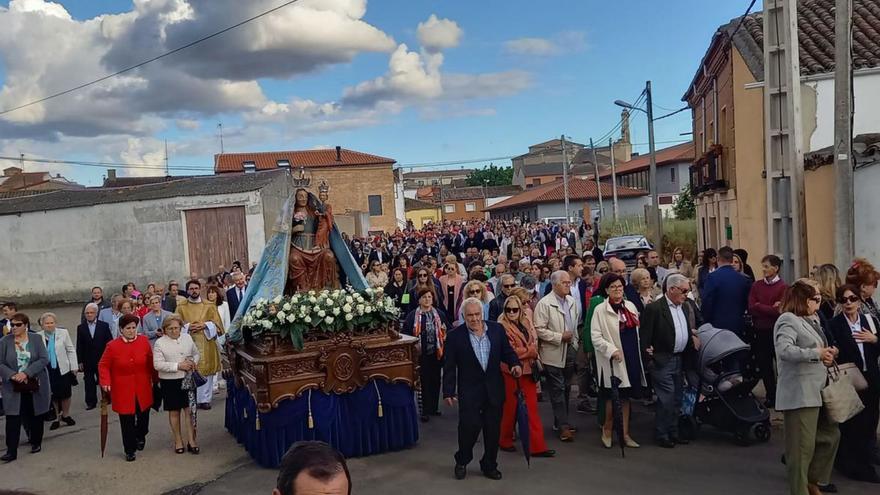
point(508, 449)
point(141, 444)
point(546, 453)
point(55, 425)
point(130, 457)
point(493, 474)
point(565, 434)
point(586, 407)
point(629, 442)
point(193, 450)
point(680, 441)
point(89, 407)
point(204, 406)
point(665, 443)
point(8, 457)
point(460, 472)
point(36, 449)
point(68, 420)
point(606, 440)
point(829, 488)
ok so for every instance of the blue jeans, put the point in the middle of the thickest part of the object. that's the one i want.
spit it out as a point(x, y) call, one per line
point(668, 385)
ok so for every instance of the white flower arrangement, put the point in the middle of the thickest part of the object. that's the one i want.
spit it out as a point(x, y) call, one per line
point(326, 311)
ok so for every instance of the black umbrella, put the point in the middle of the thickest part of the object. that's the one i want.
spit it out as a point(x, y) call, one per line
point(617, 410)
point(522, 423)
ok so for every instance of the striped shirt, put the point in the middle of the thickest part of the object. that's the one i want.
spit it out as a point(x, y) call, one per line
point(482, 346)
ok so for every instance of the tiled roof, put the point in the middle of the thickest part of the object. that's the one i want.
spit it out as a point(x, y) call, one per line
point(544, 169)
point(678, 153)
point(410, 204)
point(437, 173)
point(204, 185)
point(578, 190)
point(476, 192)
point(23, 180)
point(139, 181)
point(268, 160)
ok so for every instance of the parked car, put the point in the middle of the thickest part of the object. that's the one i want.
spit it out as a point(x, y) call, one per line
point(626, 248)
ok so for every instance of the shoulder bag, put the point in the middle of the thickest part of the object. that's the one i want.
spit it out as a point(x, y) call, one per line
point(839, 397)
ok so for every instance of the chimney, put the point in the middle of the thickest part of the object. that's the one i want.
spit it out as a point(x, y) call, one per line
point(624, 127)
point(339, 153)
point(111, 174)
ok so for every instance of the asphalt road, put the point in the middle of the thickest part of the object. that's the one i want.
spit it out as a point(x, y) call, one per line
point(71, 464)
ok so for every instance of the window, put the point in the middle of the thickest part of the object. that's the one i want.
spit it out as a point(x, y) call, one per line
point(450, 208)
point(283, 163)
point(672, 174)
point(249, 167)
point(375, 205)
point(435, 182)
point(470, 207)
point(536, 182)
point(446, 181)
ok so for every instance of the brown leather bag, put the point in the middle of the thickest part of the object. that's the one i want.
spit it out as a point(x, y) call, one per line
point(31, 385)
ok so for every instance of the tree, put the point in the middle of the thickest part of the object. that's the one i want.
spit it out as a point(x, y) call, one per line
point(491, 176)
point(684, 206)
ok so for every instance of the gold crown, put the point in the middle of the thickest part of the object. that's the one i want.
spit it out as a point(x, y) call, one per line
point(323, 186)
point(302, 178)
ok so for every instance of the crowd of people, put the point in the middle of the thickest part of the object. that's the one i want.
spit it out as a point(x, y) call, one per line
point(543, 312)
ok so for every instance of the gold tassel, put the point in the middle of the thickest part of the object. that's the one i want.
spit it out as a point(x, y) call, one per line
point(380, 408)
point(381, 412)
point(311, 420)
point(258, 421)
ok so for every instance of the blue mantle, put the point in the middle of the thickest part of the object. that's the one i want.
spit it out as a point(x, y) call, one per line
point(349, 422)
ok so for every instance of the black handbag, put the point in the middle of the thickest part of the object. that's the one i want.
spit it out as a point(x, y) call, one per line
point(198, 379)
point(31, 385)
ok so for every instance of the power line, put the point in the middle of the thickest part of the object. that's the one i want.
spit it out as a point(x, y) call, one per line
point(743, 18)
point(145, 62)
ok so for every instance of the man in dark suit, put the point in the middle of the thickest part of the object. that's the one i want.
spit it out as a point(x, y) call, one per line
point(726, 295)
point(472, 377)
point(91, 339)
point(169, 300)
point(236, 293)
point(666, 335)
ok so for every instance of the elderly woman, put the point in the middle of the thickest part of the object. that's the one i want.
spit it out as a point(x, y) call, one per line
point(643, 294)
point(863, 275)
point(62, 367)
point(376, 276)
point(524, 339)
point(151, 323)
point(428, 324)
point(615, 334)
point(856, 336)
point(174, 356)
point(802, 355)
point(126, 372)
point(476, 289)
point(26, 389)
point(679, 263)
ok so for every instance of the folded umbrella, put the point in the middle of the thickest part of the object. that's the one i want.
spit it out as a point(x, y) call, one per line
point(105, 402)
point(522, 423)
point(617, 410)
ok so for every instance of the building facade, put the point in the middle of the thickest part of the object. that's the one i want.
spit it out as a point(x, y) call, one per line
point(441, 178)
point(421, 213)
point(470, 203)
point(14, 179)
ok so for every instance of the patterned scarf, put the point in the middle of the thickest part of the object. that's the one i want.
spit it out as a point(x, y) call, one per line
point(438, 328)
point(628, 319)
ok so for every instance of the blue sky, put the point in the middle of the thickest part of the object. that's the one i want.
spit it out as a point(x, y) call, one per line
point(591, 54)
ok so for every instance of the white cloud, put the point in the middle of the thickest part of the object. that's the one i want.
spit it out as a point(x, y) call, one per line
point(187, 124)
point(486, 85)
point(564, 42)
point(410, 76)
point(438, 34)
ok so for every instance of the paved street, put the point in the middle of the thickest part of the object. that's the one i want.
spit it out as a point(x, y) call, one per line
point(71, 459)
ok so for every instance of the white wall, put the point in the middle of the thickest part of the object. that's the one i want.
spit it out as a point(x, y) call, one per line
point(58, 255)
point(495, 201)
point(866, 89)
point(867, 222)
point(399, 206)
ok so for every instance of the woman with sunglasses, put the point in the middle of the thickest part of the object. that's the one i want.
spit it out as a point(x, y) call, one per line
point(423, 280)
point(451, 289)
point(428, 324)
point(396, 289)
point(26, 389)
point(377, 277)
point(856, 336)
point(524, 340)
point(476, 289)
point(803, 354)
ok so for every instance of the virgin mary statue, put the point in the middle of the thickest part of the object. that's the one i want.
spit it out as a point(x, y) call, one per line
point(306, 252)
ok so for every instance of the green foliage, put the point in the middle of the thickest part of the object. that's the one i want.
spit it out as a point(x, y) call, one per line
point(684, 207)
point(676, 233)
point(496, 176)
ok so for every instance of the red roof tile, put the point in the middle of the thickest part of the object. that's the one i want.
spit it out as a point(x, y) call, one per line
point(268, 160)
point(677, 153)
point(578, 190)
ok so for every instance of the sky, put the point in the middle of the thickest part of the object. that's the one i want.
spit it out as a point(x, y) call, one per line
point(421, 82)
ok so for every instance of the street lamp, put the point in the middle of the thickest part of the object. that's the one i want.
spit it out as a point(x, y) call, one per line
point(652, 173)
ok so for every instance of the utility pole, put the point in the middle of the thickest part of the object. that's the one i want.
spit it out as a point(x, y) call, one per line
point(783, 134)
point(652, 173)
point(598, 183)
point(167, 170)
point(844, 197)
point(613, 179)
point(220, 126)
point(565, 176)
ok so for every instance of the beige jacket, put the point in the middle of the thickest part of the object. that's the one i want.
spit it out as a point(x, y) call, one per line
point(605, 332)
point(549, 322)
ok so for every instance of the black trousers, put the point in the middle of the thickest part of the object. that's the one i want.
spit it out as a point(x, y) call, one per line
point(134, 428)
point(765, 355)
point(90, 379)
point(429, 373)
point(857, 438)
point(474, 417)
point(26, 418)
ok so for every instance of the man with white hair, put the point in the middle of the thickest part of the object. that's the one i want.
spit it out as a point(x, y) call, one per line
point(667, 331)
point(92, 336)
point(556, 318)
point(472, 377)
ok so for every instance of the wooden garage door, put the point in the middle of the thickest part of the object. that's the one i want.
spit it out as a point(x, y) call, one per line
point(216, 236)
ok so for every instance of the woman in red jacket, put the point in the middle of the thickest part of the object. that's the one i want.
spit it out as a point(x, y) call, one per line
point(765, 299)
point(126, 372)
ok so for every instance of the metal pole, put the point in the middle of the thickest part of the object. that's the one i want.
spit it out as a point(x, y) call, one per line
point(565, 176)
point(844, 197)
point(613, 179)
point(167, 171)
point(598, 184)
point(652, 174)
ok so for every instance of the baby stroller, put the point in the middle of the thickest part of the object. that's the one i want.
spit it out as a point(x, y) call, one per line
point(720, 388)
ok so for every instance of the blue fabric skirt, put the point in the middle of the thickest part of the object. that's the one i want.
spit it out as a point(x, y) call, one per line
point(349, 422)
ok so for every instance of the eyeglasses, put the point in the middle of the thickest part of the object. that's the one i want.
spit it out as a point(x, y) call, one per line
point(16, 324)
point(615, 287)
point(603, 271)
point(508, 286)
point(511, 310)
point(475, 291)
point(423, 275)
point(850, 299)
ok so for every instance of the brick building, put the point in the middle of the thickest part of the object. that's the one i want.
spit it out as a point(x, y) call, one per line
point(14, 179)
point(470, 203)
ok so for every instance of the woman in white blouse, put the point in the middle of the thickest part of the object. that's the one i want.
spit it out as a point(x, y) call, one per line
point(174, 355)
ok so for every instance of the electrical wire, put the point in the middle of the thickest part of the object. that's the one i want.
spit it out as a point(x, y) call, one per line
point(743, 18)
point(145, 62)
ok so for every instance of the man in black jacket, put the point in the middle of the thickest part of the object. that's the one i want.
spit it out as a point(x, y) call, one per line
point(91, 339)
point(666, 336)
point(236, 293)
point(472, 377)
